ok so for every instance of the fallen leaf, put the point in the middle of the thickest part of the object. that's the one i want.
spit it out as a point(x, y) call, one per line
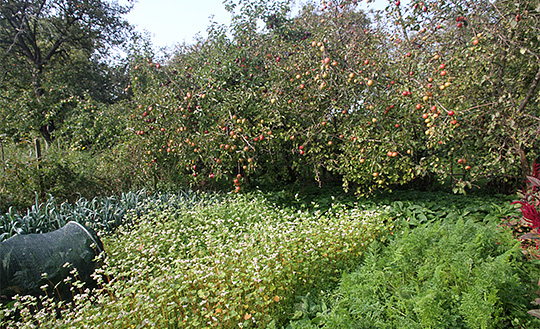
point(535, 313)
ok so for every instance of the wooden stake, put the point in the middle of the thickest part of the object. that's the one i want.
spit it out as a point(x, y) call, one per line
point(38, 150)
point(38, 158)
point(3, 157)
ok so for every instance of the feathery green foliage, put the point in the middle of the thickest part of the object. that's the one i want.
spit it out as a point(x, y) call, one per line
point(461, 274)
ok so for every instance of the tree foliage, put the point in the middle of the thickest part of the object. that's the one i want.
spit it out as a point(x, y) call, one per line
point(51, 58)
point(445, 89)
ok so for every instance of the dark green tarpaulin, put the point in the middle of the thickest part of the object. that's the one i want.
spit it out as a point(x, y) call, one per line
point(25, 258)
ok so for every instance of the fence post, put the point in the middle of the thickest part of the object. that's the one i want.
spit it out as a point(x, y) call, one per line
point(3, 157)
point(38, 150)
point(38, 158)
point(452, 171)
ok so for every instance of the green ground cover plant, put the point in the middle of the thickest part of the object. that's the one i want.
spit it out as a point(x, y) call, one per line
point(264, 259)
point(230, 262)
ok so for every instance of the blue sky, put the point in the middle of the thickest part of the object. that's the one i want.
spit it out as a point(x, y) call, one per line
point(170, 22)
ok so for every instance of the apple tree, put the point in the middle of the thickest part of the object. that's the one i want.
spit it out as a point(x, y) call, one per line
point(266, 105)
point(414, 91)
point(473, 68)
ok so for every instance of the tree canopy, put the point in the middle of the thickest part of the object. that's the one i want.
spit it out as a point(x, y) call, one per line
point(445, 89)
point(406, 95)
point(50, 58)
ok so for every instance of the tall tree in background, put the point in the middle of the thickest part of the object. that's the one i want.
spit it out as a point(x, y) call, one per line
point(50, 54)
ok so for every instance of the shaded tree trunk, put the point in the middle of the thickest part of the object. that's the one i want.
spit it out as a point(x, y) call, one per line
point(524, 162)
point(47, 128)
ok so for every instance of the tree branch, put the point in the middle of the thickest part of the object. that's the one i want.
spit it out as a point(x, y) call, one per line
point(531, 91)
point(53, 49)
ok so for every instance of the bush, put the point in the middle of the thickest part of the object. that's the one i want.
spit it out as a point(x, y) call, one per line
point(68, 175)
point(65, 175)
point(405, 96)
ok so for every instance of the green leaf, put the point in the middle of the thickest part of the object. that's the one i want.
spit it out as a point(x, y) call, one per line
point(202, 294)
